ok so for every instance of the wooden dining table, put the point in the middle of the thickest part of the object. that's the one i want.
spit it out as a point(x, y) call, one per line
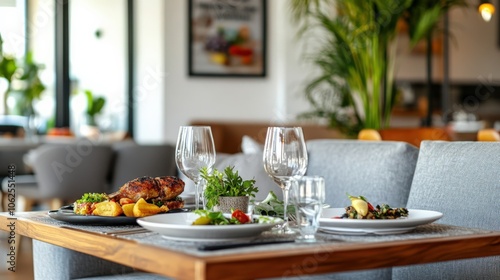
point(148, 251)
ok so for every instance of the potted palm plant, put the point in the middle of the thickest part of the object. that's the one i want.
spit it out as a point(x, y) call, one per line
point(227, 190)
point(355, 85)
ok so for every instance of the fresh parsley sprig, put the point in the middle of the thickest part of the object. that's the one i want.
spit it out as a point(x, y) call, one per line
point(226, 183)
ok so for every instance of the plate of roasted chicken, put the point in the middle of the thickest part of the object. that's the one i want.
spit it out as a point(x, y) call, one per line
point(140, 197)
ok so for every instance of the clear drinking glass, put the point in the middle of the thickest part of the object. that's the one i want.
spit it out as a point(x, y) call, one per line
point(307, 194)
point(195, 149)
point(285, 156)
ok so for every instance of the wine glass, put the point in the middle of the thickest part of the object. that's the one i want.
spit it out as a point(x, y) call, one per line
point(194, 150)
point(285, 156)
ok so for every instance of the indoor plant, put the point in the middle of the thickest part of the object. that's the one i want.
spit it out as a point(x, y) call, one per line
point(23, 82)
point(227, 190)
point(95, 104)
point(356, 59)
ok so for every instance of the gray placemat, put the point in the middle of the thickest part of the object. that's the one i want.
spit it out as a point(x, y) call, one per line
point(433, 230)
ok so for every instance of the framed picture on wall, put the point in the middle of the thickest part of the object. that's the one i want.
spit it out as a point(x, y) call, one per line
point(227, 38)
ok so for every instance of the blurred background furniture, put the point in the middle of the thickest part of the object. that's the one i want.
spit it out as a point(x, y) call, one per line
point(12, 126)
point(413, 135)
point(488, 134)
point(228, 135)
point(8, 130)
point(461, 180)
point(132, 160)
point(62, 173)
point(12, 153)
point(369, 134)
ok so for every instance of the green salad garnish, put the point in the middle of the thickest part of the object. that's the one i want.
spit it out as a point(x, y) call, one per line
point(92, 197)
point(213, 218)
point(272, 206)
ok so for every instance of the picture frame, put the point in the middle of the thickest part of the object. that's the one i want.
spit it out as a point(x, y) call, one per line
point(227, 38)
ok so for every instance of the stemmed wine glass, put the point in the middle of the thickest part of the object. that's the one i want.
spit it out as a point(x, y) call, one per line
point(285, 156)
point(195, 149)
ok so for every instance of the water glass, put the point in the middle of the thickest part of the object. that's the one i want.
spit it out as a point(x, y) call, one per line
point(285, 156)
point(195, 150)
point(307, 193)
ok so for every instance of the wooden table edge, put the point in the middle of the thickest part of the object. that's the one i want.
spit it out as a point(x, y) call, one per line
point(322, 258)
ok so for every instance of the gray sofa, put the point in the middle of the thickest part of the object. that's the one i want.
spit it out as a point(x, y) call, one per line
point(340, 161)
point(381, 171)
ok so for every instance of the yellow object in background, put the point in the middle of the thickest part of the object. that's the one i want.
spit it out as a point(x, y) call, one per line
point(219, 58)
point(488, 135)
point(369, 134)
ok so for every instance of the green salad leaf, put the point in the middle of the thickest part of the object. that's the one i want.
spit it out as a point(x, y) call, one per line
point(92, 197)
point(213, 218)
point(273, 206)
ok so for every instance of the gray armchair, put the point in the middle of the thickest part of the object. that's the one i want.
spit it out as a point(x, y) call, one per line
point(12, 154)
point(63, 172)
point(133, 160)
point(380, 171)
point(461, 180)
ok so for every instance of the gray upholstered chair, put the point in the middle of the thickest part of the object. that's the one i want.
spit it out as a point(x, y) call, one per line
point(130, 161)
point(133, 160)
point(63, 172)
point(57, 263)
point(461, 180)
point(380, 171)
point(12, 153)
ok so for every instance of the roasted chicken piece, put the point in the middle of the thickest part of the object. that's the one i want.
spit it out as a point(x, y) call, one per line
point(159, 188)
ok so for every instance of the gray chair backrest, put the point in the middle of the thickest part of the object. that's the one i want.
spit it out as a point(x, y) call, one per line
point(134, 160)
point(461, 180)
point(13, 154)
point(66, 171)
point(381, 171)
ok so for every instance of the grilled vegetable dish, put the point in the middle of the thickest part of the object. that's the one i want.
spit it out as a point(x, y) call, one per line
point(362, 209)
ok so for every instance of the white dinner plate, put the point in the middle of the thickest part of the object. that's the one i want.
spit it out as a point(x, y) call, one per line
point(178, 226)
point(330, 224)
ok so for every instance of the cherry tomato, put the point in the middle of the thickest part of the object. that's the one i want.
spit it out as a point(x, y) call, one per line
point(370, 207)
point(240, 216)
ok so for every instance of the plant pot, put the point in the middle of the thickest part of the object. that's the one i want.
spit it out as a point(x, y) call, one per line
point(226, 203)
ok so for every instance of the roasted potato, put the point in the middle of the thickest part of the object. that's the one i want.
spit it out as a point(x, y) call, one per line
point(143, 209)
point(108, 208)
point(128, 209)
point(164, 208)
point(126, 200)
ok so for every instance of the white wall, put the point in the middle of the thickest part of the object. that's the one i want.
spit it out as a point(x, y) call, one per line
point(99, 63)
point(184, 99)
point(151, 76)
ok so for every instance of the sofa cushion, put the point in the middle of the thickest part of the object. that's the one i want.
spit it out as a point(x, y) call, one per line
point(251, 146)
point(250, 166)
point(461, 180)
point(380, 171)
